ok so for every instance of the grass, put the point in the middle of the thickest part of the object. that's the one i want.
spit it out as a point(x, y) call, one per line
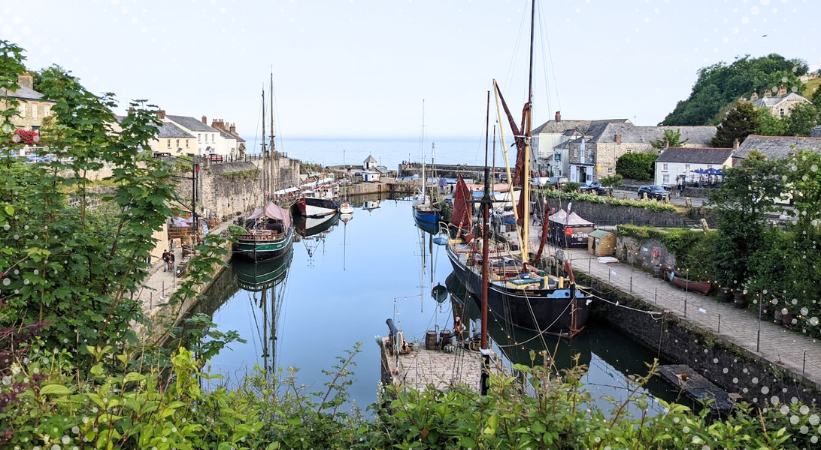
point(811, 86)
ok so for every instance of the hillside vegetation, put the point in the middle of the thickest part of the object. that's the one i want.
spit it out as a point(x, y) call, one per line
point(721, 84)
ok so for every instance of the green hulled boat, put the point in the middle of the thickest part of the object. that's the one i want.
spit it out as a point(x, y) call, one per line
point(268, 233)
point(255, 276)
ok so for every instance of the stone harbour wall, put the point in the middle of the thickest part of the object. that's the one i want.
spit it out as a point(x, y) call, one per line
point(734, 369)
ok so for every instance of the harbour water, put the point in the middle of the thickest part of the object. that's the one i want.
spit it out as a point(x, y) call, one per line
point(343, 282)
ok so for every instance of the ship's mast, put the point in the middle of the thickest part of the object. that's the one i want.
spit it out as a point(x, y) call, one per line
point(273, 131)
point(486, 203)
point(528, 134)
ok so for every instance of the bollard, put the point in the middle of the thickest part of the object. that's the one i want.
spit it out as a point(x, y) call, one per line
point(719, 324)
point(685, 307)
point(163, 288)
point(151, 300)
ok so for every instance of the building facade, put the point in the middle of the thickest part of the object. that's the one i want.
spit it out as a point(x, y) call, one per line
point(593, 155)
point(229, 141)
point(207, 137)
point(681, 163)
point(550, 139)
point(780, 104)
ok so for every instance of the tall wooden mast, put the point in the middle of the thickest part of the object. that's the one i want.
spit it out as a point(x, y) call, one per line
point(273, 130)
point(486, 204)
point(528, 135)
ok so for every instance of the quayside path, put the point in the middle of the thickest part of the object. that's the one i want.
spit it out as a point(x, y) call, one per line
point(787, 348)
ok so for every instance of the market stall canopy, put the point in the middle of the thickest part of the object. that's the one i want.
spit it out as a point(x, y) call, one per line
point(561, 217)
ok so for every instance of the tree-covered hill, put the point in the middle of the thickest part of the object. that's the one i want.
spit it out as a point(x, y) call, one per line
point(720, 84)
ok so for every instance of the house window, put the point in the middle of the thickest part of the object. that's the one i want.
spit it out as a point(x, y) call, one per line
point(781, 112)
point(33, 111)
point(168, 143)
point(664, 166)
point(199, 138)
point(609, 170)
point(665, 179)
point(557, 157)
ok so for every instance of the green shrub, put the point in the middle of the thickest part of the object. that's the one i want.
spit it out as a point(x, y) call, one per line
point(636, 166)
point(612, 180)
point(652, 205)
point(570, 186)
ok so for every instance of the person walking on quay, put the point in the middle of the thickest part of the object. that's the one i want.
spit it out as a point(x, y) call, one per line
point(171, 261)
point(165, 255)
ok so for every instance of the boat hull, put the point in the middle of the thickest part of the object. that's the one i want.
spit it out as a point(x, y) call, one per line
point(426, 217)
point(263, 249)
point(315, 207)
point(544, 309)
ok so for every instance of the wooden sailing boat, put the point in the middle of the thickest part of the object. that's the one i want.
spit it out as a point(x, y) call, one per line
point(268, 229)
point(529, 297)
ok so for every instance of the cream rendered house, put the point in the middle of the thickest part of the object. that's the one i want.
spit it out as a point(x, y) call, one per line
point(207, 137)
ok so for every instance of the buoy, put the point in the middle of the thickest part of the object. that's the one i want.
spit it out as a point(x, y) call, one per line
point(439, 293)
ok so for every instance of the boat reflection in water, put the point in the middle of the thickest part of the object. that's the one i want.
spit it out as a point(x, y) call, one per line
point(609, 356)
point(265, 282)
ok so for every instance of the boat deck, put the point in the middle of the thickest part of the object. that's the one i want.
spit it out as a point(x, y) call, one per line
point(422, 368)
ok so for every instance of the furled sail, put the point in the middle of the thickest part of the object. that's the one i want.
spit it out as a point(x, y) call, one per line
point(462, 206)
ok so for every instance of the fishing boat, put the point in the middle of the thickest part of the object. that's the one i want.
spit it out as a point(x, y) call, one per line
point(315, 205)
point(268, 233)
point(310, 226)
point(525, 295)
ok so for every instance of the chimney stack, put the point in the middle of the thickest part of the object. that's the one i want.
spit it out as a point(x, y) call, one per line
point(232, 129)
point(735, 144)
point(782, 91)
point(618, 138)
point(25, 80)
point(558, 116)
point(205, 120)
point(161, 114)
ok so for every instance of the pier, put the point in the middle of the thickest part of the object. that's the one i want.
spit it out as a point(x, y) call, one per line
point(422, 368)
point(445, 170)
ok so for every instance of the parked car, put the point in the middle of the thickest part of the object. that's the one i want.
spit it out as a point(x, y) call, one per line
point(595, 186)
point(557, 181)
point(654, 192)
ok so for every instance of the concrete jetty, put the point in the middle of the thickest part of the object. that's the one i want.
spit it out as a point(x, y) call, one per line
point(421, 368)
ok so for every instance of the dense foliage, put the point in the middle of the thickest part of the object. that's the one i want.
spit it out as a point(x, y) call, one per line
point(670, 138)
point(637, 166)
point(652, 205)
point(721, 84)
point(744, 119)
point(694, 249)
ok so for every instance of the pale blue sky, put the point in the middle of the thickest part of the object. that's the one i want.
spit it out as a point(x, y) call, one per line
point(361, 68)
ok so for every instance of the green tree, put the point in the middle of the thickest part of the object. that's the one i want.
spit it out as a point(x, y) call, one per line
point(802, 119)
point(816, 99)
point(721, 84)
point(741, 202)
point(740, 122)
point(636, 166)
point(611, 180)
point(769, 125)
point(671, 138)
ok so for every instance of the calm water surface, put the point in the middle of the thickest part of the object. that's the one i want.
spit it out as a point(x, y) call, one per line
point(343, 283)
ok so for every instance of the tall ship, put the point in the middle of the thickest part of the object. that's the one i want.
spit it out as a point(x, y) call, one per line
point(525, 295)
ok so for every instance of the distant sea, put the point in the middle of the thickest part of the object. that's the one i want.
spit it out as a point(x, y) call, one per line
point(388, 151)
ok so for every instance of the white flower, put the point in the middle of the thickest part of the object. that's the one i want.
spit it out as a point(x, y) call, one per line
point(65, 439)
point(75, 429)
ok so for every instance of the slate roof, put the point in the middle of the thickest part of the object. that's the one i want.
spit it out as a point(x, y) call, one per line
point(370, 159)
point(695, 155)
point(777, 147)
point(170, 130)
point(190, 123)
point(562, 126)
point(769, 102)
point(23, 93)
point(695, 135)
